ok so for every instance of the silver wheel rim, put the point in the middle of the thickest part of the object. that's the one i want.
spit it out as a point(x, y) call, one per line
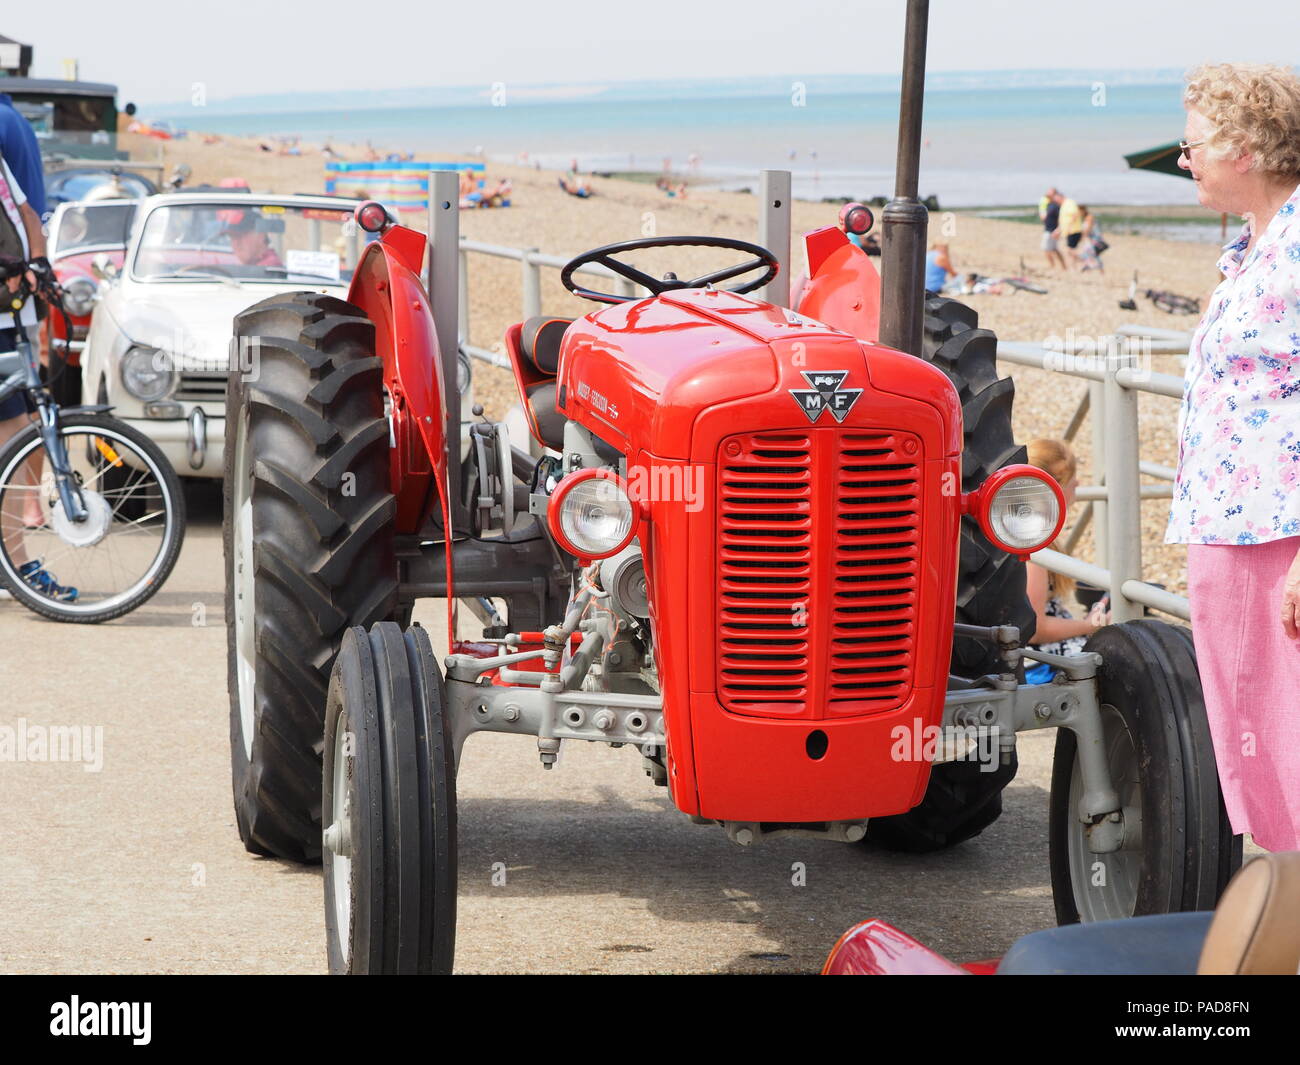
point(337, 842)
point(1105, 886)
point(66, 550)
point(244, 611)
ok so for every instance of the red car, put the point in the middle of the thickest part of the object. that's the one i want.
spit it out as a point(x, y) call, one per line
point(1254, 931)
point(86, 240)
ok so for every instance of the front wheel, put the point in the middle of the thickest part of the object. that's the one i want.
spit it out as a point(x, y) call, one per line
point(1178, 851)
point(389, 810)
point(114, 558)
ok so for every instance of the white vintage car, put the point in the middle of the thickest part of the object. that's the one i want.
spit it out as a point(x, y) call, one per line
point(158, 345)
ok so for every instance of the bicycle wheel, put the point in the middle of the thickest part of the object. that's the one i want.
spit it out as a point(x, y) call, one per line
point(115, 558)
point(1021, 285)
point(1172, 303)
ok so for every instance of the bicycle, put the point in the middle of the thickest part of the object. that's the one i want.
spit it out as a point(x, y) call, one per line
point(1172, 303)
point(111, 508)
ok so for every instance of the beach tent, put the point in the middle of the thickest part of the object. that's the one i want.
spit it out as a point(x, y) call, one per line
point(1163, 160)
point(401, 184)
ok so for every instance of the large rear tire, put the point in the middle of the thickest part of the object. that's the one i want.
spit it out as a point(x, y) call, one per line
point(309, 548)
point(1180, 853)
point(961, 801)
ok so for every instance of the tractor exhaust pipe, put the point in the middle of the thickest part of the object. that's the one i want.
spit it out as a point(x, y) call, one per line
point(904, 222)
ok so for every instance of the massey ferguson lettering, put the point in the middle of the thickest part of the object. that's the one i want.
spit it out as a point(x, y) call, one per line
point(825, 394)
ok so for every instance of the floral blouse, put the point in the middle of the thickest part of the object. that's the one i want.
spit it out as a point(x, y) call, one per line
point(1238, 478)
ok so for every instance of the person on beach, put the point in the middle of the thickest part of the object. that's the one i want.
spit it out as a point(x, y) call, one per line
point(939, 271)
point(1049, 210)
point(1059, 632)
point(1092, 245)
point(1236, 501)
point(868, 242)
point(575, 185)
point(979, 285)
point(1071, 225)
point(499, 194)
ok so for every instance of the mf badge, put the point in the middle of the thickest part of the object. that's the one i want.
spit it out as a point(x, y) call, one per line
point(825, 394)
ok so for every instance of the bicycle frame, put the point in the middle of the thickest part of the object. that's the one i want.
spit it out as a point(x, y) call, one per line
point(21, 371)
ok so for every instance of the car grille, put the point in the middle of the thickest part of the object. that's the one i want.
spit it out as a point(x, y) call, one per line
point(197, 386)
point(801, 639)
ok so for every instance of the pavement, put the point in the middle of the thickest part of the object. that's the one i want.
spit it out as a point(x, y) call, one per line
point(134, 864)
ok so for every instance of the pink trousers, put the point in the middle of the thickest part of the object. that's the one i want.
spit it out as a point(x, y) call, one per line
point(1250, 672)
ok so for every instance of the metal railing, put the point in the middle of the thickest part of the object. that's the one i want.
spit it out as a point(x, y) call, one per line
point(1114, 379)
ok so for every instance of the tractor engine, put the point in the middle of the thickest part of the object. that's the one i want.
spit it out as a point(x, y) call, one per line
point(766, 510)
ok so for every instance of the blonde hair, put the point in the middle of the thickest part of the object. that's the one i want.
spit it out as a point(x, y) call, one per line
point(1058, 459)
point(1251, 107)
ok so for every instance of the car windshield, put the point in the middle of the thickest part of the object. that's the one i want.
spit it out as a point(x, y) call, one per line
point(260, 242)
point(92, 225)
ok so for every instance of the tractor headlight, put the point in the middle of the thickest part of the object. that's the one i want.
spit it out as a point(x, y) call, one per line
point(591, 515)
point(79, 296)
point(463, 374)
point(147, 373)
point(1021, 509)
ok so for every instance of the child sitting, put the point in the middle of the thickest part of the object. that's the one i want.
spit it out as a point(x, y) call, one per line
point(1058, 632)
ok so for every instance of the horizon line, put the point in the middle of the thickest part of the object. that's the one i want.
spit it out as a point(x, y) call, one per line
point(578, 89)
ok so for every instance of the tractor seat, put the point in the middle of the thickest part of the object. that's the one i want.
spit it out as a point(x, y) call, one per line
point(540, 342)
point(1256, 927)
point(539, 347)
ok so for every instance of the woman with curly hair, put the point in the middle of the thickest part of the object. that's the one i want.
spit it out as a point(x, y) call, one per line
point(1237, 492)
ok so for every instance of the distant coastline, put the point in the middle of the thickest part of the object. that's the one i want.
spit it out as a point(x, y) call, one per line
point(659, 89)
point(991, 138)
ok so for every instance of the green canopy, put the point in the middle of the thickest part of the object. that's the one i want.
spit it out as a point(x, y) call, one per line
point(1163, 160)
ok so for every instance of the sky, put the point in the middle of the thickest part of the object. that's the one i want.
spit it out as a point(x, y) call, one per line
point(156, 52)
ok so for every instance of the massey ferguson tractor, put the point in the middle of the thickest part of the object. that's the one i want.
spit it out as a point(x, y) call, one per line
point(778, 553)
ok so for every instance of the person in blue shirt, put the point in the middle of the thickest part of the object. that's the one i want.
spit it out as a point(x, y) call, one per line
point(939, 271)
point(22, 153)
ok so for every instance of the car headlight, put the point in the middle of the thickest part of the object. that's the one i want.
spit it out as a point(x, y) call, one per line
point(79, 296)
point(591, 515)
point(147, 373)
point(1021, 509)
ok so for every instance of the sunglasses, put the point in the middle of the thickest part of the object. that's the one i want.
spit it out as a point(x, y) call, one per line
point(1185, 148)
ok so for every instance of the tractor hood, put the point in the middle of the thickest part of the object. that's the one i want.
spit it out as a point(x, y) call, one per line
point(638, 373)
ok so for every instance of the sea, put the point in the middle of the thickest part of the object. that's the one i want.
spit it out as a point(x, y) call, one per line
point(990, 139)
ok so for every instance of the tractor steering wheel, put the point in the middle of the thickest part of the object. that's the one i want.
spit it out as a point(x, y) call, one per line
point(762, 258)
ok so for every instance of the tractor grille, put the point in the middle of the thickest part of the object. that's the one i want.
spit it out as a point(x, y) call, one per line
point(818, 570)
point(197, 386)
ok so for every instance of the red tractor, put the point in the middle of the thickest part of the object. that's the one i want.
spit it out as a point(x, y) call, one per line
point(781, 559)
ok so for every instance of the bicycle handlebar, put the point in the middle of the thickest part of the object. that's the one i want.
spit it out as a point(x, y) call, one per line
point(47, 288)
point(47, 285)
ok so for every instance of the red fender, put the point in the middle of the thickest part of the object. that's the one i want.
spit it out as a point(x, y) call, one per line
point(386, 285)
point(843, 288)
point(875, 948)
